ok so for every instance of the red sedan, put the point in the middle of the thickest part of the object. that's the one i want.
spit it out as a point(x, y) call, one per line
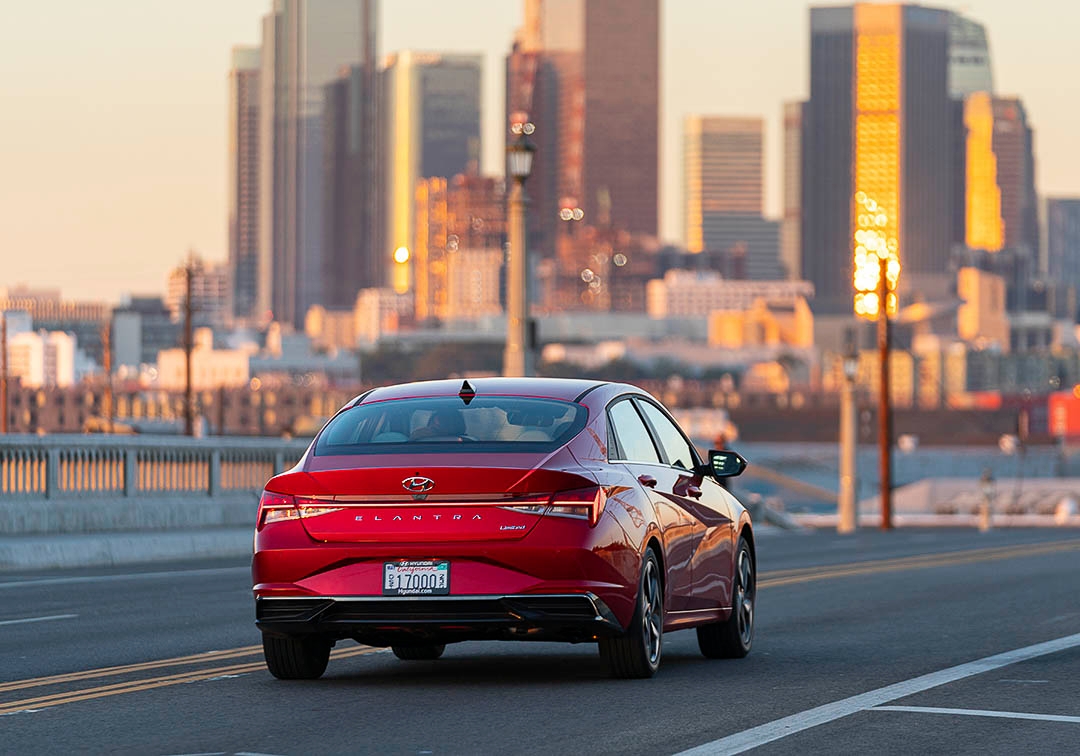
point(502, 509)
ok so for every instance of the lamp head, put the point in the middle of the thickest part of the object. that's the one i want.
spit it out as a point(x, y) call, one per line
point(519, 155)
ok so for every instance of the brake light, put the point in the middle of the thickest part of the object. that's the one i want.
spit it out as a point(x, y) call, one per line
point(274, 507)
point(583, 503)
point(309, 508)
point(536, 505)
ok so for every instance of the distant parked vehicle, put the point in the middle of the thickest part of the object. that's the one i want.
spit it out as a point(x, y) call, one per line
point(503, 509)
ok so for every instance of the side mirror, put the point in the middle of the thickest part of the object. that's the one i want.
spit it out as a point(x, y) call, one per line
point(726, 463)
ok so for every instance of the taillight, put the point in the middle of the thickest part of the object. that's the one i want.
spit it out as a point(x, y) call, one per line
point(309, 508)
point(536, 505)
point(583, 503)
point(275, 507)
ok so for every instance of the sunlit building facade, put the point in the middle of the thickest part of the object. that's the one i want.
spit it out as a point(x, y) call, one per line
point(430, 127)
point(722, 171)
point(985, 228)
point(210, 295)
point(458, 221)
point(723, 197)
point(48, 311)
point(42, 358)
point(880, 127)
point(1002, 225)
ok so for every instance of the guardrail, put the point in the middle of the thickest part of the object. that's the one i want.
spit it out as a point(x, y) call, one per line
point(59, 466)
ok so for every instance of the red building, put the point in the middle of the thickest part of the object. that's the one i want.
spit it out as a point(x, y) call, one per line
point(586, 73)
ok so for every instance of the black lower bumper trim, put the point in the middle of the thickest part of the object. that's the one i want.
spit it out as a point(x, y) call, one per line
point(569, 616)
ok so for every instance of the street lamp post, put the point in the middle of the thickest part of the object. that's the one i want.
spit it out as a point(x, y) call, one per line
point(847, 509)
point(518, 357)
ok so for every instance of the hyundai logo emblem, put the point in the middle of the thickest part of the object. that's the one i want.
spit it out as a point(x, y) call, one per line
point(417, 484)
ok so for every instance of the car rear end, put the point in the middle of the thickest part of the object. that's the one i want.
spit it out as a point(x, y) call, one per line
point(399, 527)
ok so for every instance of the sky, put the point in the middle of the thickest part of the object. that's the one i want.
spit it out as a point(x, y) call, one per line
point(113, 112)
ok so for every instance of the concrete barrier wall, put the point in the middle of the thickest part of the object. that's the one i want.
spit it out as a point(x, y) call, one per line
point(85, 484)
point(97, 514)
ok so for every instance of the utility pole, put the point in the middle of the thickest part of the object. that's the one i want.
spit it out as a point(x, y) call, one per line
point(106, 347)
point(884, 401)
point(876, 276)
point(189, 401)
point(3, 374)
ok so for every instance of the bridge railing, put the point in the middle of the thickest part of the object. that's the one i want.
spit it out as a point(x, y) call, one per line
point(59, 466)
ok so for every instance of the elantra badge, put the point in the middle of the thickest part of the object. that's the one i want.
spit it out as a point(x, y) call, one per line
point(417, 484)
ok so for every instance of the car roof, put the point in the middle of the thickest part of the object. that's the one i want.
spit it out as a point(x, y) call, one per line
point(567, 389)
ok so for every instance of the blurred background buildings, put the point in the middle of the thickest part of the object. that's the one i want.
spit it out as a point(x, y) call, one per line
point(366, 245)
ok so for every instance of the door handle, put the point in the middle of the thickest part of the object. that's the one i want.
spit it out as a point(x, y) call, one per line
point(647, 480)
point(692, 490)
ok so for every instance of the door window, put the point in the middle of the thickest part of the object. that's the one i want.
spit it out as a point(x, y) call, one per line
point(676, 448)
point(635, 444)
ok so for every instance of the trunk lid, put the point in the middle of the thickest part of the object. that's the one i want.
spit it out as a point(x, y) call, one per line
point(403, 499)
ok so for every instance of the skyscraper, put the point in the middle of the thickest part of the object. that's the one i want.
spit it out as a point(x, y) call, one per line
point(879, 123)
point(586, 73)
point(723, 196)
point(722, 170)
point(791, 224)
point(305, 45)
point(1014, 148)
point(1063, 240)
point(969, 58)
point(1002, 228)
point(431, 127)
point(459, 222)
point(350, 187)
point(243, 186)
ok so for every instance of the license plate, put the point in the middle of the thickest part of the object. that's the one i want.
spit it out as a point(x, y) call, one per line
point(416, 578)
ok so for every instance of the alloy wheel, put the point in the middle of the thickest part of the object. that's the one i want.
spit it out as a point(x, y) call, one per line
point(744, 596)
point(652, 612)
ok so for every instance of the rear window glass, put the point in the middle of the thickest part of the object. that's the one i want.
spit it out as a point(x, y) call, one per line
point(447, 424)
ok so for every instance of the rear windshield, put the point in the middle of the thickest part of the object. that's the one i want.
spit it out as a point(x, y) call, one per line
point(447, 424)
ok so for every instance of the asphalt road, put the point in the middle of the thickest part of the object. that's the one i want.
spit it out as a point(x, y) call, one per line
point(863, 645)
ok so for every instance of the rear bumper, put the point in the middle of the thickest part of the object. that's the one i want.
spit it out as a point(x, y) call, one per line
point(383, 621)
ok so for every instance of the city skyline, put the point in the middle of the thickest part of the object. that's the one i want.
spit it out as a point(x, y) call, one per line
point(110, 208)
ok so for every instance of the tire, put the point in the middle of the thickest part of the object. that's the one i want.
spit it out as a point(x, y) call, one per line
point(636, 654)
point(296, 658)
point(419, 653)
point(732, 638)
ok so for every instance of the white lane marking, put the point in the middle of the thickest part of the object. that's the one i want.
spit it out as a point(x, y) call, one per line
point(253, 753)
point(980, 713)
point(804, 720)
point(208, 572)
point(38, 619)
point(1023, 682)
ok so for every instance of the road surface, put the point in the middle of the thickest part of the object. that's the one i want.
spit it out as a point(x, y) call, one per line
point(912, 641)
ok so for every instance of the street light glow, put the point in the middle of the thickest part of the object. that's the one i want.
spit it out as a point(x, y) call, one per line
point(872, 246)
point(401, 255)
